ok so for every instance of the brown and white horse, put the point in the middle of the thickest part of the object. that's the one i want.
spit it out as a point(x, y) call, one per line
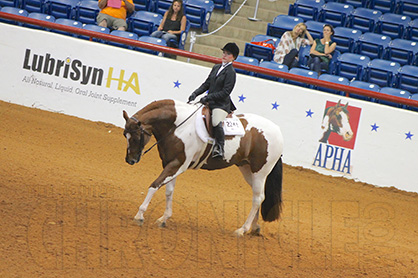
point(257, 154)
point(336, 119)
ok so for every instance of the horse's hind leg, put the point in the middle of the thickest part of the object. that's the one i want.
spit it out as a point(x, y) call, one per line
point(169, 189)
point(248, 176)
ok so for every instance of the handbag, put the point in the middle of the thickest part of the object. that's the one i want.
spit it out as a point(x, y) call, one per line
point(265, 44)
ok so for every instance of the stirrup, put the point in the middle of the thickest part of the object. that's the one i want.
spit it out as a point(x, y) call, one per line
point(217, 152)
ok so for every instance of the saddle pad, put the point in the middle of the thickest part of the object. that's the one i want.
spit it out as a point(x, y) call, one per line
point(232, 126)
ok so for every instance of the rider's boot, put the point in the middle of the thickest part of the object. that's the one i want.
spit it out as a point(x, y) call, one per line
point(218, 150)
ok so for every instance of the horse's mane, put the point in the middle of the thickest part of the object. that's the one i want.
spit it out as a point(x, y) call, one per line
point(156, 110)
point(338, 105)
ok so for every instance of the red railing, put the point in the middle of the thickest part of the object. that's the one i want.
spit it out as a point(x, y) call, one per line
point(347, 89)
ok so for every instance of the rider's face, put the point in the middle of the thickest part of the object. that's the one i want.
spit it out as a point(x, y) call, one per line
point(227, 57)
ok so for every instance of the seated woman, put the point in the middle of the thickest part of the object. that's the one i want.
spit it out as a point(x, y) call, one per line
point(287, 50)
point(173, 23)
point(321, 51)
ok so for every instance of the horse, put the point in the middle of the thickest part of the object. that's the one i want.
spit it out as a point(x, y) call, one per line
point(336, 119)
point(258, 155)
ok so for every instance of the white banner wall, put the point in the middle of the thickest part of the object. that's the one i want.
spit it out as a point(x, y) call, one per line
point(95, 81)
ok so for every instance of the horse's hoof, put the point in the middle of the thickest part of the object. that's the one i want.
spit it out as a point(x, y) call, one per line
point(239, 232)
point(256, 232)
point(161, 223)
point(138, 222)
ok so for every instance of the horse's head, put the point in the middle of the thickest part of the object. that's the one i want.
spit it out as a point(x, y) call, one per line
point(137, 137)
point(337, 119)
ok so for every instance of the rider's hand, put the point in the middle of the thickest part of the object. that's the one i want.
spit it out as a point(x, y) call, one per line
point(192, 97)
point(204, 100)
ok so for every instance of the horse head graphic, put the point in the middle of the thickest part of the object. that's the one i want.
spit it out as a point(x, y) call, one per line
point(336, 119)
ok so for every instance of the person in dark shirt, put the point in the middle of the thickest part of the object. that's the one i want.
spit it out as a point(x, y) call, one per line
point(173, 23)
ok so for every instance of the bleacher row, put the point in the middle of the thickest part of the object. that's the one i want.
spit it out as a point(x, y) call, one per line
point(378, 53)
point(145, 20)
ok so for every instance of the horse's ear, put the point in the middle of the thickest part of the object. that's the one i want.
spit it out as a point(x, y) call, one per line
point(346, 105)
point(125, 115)
point(339, 102)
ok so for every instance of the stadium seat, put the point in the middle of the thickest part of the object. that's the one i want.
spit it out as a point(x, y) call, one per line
point(86, 11)
point(273, 66)
point(224, 5)
point(382, 73)
point(143, 5)
point(336, 14)
point(161, 6)
point(413, 97)
point(305, 73)
point(183, 37)
point(385, 6)
point(39, 16)
point(404, 52)
point(152, 40)
point(408, 8)
point(248, 61)
point(355, 3)
point(306, 9)
point(364, 19)
point(199, 13)
point(15, 11)
point(67, 22)
point(366, 86)
point(350, 65)
point(95, 28)
point(346, 39)
point(394, 92)
point(334, 79)
point(373, 45)
point(281, 24)
point(123, 34)
point(61, 8)
point(9, 3)
point(392, 25)
point(33, 6)
point(260, 52)
point(412, 30)
point(315, 28)
point(143, 23)
point(408, 79)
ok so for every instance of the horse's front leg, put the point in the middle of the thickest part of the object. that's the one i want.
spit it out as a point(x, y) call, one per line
point(169, 189)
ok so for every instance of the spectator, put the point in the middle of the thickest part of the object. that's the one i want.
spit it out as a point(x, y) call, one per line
point(173, 23)
point(287, 50)
point(321, 51)
point(113, 13)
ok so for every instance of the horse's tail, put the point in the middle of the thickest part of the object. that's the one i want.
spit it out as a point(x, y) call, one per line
point(272, 204)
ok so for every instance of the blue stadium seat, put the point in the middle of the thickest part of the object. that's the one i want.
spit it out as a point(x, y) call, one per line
point(9, 3)
point(373, 45)
point(394, 92)
point(39, 16)
point(404, 52)
point(334, 79)
point(67, 22)
point(143, 5)
point(336, 14)
point(183, 37)
point(15, 11)
point(199, 13)
point(413, 97)
point(392, 25)
point(350, 65)
point(315, 28)
point(86, 11)
point(123, 34)
point(273, 66)
point(364, 19)
point(152, 40)
point(281, 24)
point(143, 23)
point(346, 39)
point(224, 5)
point(61, 8)
point(261, 52)
point(248, 61)
point(355, 3)
point(385, 6)
point(302, 72)
point(408, 79)
point(366, 86)
point(306, 9)
point(31, 6)
point(407, 7)
point(382, 72)
point(95, 28)
point(412, 30)
point(161, 6)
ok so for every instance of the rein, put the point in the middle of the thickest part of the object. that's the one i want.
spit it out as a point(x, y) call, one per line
point(169, 132)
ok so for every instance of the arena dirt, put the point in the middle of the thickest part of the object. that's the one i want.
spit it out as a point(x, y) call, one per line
point(67, 199)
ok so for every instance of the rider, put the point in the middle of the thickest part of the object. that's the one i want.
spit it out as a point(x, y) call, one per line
point(219, 84)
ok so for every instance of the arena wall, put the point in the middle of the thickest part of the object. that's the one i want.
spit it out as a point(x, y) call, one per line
point(97, 82)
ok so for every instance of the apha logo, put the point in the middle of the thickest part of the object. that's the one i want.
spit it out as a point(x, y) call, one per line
point(339, 126)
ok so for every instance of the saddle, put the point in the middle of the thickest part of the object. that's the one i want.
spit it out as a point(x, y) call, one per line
point(207, 119)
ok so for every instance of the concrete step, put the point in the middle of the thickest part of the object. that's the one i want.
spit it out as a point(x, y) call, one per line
point(242, 23)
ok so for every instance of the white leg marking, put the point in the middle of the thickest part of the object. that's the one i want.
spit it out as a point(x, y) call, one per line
point(139, 217)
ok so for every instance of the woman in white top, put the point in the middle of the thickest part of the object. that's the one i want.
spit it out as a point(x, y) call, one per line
point(287, 50)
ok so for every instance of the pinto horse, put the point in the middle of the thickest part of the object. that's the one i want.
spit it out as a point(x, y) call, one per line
point(257, 154)
point(336, 119)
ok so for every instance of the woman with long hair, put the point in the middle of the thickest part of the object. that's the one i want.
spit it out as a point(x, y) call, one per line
point(321, 50)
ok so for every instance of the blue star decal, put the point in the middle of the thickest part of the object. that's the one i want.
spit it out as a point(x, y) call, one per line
point(309, 113)
point(275, 105)
point(177, 84)
point(409, 135)
point(241, 98)
point(374, 127)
